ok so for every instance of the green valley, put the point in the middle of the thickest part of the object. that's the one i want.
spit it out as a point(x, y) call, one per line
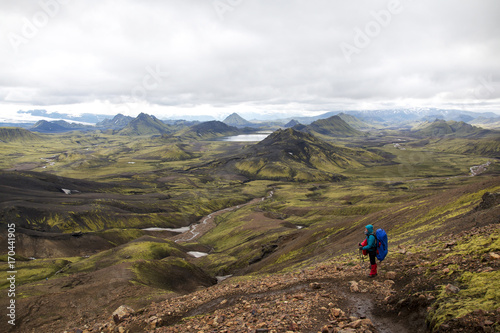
point(103, 218)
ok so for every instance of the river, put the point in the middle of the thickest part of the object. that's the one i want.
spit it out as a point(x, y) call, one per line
point(196, 230)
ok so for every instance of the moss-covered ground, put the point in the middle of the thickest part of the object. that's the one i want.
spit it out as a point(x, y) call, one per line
point(419, 194)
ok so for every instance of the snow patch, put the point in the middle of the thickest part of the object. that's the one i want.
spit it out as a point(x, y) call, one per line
point(197, 254)
point(183, 229)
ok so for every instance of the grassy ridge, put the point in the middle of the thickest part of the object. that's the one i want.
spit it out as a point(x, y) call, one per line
point(161, 199)
point(16, 134)
point(171, 274)
point(33, 270)
point(148, 249)
point(484, 147)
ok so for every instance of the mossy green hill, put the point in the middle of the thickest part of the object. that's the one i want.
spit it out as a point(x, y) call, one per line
point(355, 122)
point(334, 126)
point(464, 146)
point(452, 129)
point(145, 124)
point(117, 122)
point(208, 130)
point(295, 156)
point(16, 134)
point(169, 152)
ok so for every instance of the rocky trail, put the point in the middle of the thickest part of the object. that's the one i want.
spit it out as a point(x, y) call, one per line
point(305, 304)
point(363, 306)
point(335, 296)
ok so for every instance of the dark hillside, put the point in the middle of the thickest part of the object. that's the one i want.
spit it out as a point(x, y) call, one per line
point(209, 130)
point(293, 155)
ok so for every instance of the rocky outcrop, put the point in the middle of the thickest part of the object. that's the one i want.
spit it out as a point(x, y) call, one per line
point(489, 200)
point(121, 313)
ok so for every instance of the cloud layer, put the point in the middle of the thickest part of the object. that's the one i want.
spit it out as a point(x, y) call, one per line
point(197, 56)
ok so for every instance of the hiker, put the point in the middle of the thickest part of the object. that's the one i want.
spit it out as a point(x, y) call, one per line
point(371, 248)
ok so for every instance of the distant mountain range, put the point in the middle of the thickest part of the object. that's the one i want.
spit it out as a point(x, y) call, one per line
point(388, 116)
point(59, 126)
point(91, 118)
point(400, 116)
point(491, 122)
point(333, 124)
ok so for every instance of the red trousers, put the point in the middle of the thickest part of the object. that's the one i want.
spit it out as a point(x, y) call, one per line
point(373, 262)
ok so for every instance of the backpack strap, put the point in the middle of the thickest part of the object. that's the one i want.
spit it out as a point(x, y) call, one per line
point(376, 241)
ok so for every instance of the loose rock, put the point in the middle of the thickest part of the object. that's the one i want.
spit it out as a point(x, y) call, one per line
point(121, 313)
point(354, 286)
point(494, 256)
point(451, 289)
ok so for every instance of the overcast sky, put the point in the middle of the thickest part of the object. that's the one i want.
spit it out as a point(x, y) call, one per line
point(181, 57)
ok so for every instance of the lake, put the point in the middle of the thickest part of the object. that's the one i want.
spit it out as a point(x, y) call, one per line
point(255, 137)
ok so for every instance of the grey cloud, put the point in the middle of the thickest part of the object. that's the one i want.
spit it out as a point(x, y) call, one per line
point(259, 52)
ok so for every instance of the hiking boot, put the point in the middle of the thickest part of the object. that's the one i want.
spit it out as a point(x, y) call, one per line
point(372, 276)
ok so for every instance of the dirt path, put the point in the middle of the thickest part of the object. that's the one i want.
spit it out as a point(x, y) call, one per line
point(359, 305)
point(206, 223)
point(307, 305)
point(362, 306)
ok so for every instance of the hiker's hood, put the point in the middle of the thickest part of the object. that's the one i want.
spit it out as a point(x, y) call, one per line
point(369, 227)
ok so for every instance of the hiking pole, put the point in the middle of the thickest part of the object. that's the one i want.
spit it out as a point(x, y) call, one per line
point(361, 257)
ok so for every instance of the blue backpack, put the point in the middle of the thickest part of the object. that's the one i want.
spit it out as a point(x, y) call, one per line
point(382, 246)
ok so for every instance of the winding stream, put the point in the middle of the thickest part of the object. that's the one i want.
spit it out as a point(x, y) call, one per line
point(196, 230)
point(478, 169)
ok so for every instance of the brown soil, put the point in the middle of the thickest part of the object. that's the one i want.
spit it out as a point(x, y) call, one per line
point(284, 302)
point(298, 302)
point(37, 244)
point(327, 298)
point(68, 302)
